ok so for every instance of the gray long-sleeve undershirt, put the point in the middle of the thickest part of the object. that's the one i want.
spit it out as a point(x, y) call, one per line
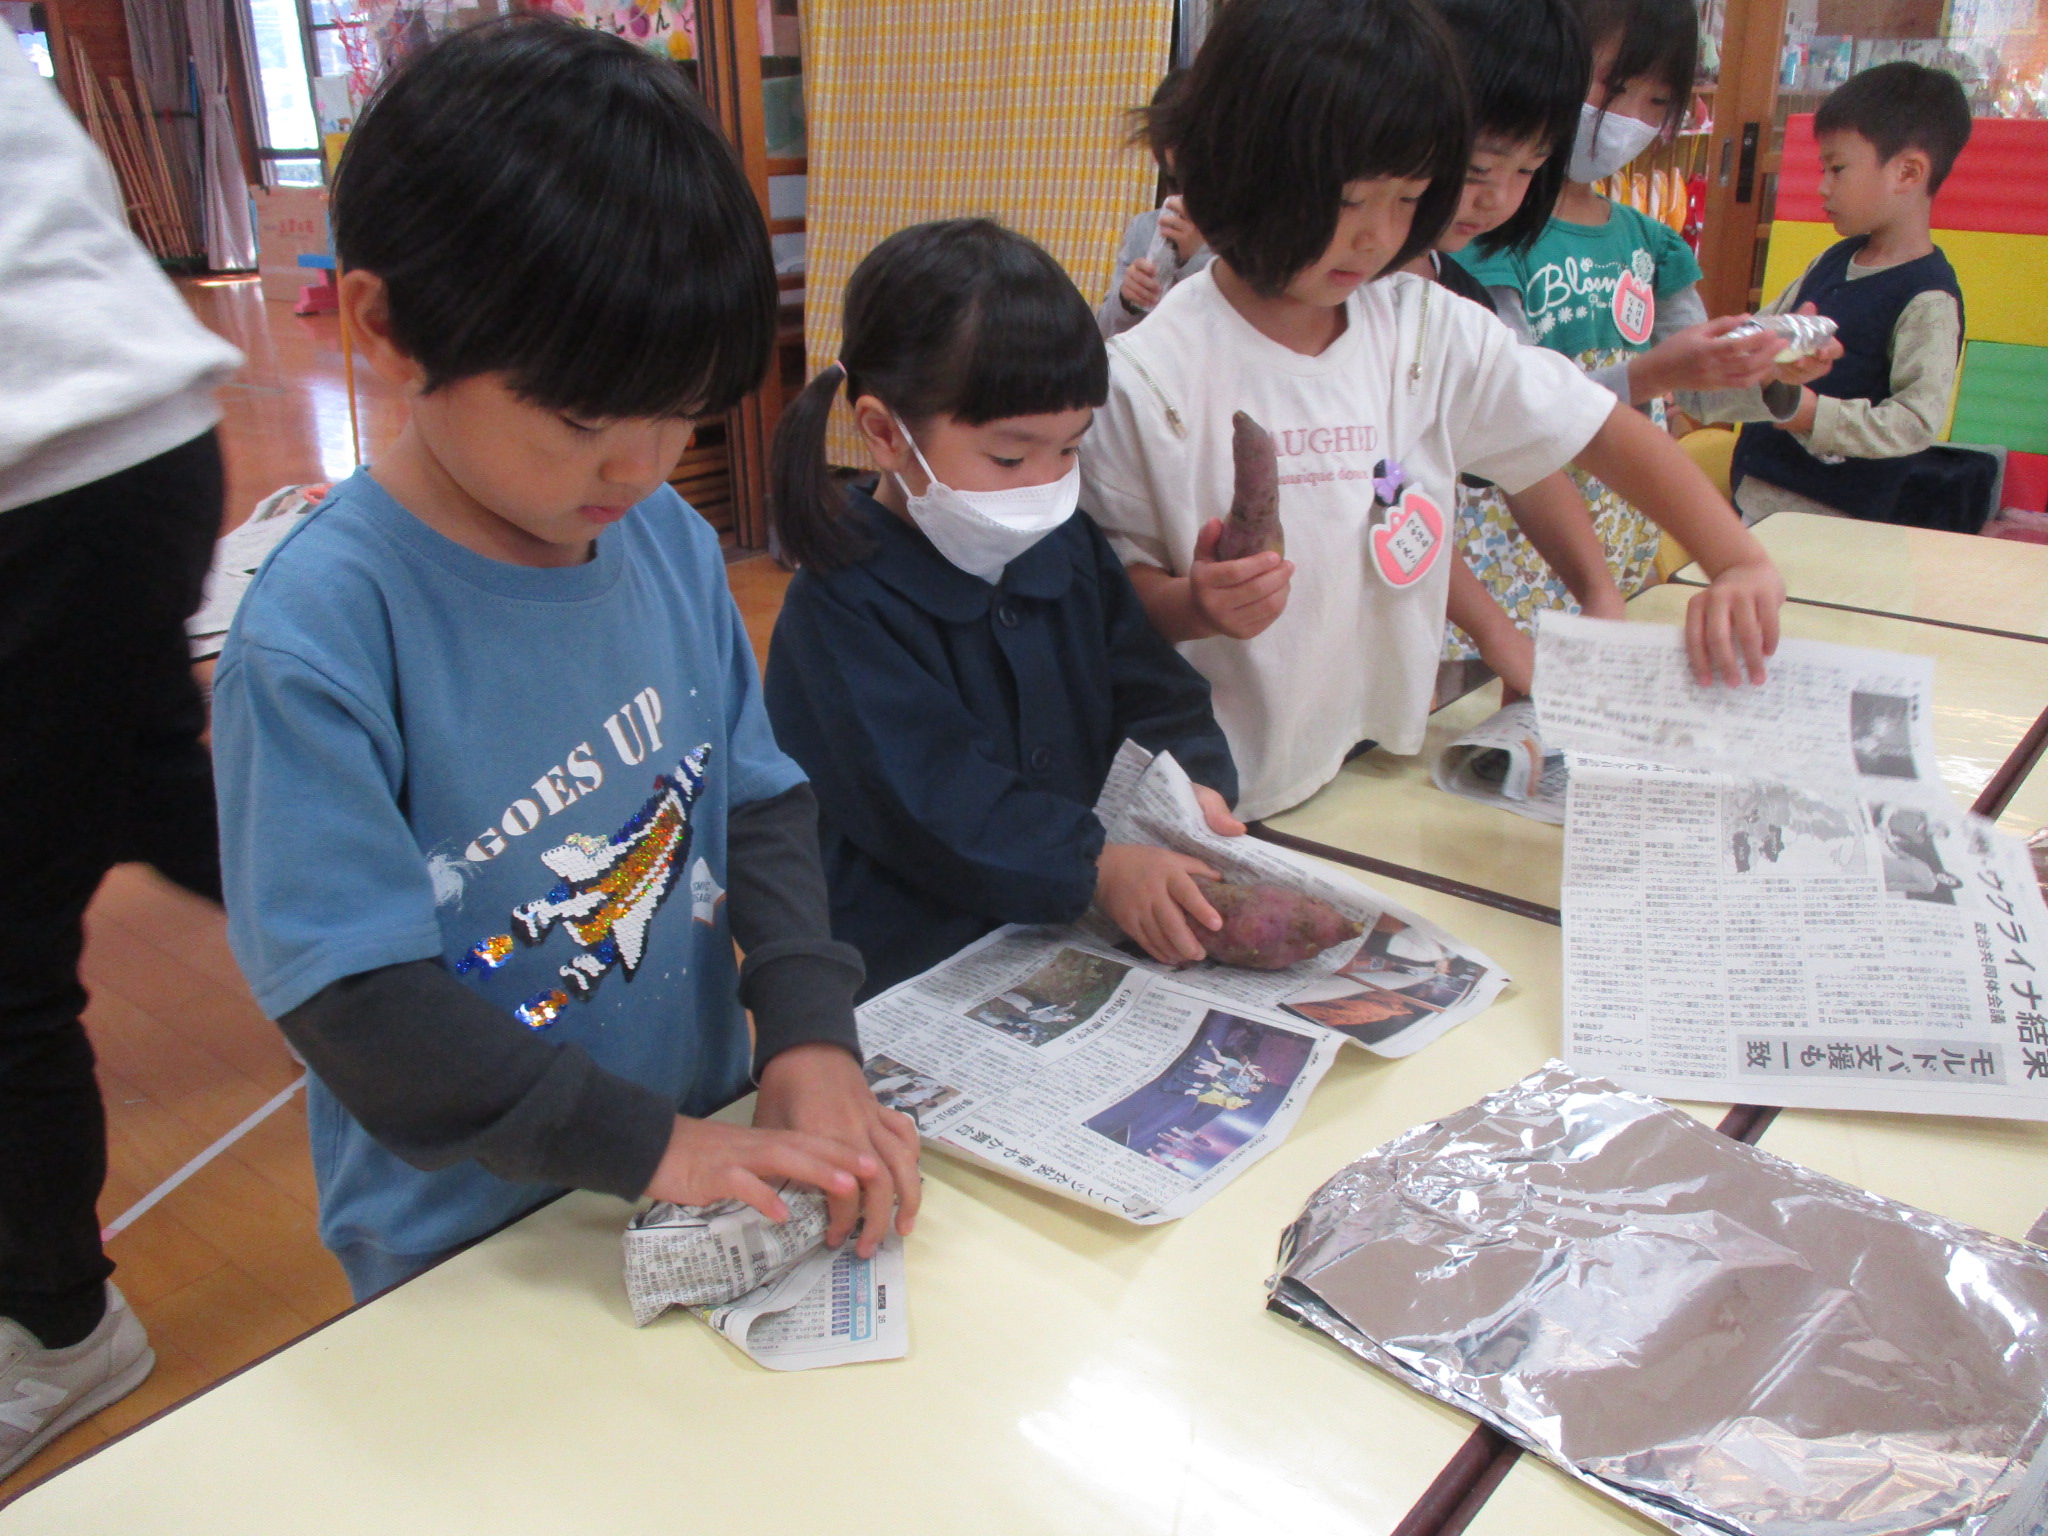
point(440, 1076)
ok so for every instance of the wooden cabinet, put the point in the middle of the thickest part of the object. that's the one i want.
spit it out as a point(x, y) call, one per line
point(732, 69)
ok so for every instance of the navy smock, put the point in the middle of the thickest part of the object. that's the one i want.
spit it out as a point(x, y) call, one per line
point(957, 733)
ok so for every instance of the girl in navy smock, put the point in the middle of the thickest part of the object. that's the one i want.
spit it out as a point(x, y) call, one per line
point(961, 654)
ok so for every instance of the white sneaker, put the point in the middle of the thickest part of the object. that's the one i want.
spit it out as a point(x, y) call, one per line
point(43, 1392)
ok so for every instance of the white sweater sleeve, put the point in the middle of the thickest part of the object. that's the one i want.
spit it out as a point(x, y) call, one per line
point(102, 363)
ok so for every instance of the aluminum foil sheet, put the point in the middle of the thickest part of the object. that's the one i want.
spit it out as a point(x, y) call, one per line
point(1724, 1341)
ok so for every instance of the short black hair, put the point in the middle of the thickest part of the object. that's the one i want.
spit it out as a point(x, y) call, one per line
point(1901, 106)
point(1528, 69)
point(960, 318)
point(1659, 38)
point(1169, 83)
point(1288, 101)
point(552, 203)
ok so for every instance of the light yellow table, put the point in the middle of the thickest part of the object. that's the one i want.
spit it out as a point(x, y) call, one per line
point(1988, 690)
point(1068, 1373)
point(1919, 573)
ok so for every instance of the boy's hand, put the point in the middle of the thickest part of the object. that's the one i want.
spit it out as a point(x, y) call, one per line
point(1216, 811)
point(1150, 893)
point(709, 1160)
point(1732, 626)
point(1141, 288)
point(1804, 370)
point(1238, 598)
point(1178, 228)
point(1705, 357)
point(818, 1091)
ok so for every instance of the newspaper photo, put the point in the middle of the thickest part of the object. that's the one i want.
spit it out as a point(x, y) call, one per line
point(1066, 1057)
point(1769, 897)
point(833, 1308)
point(1503, 762)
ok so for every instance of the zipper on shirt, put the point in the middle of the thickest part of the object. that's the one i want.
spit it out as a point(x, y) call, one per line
point(1421, 337)
point(1165, 403)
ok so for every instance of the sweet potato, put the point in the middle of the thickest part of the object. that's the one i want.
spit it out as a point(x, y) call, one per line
point(1266, 928)
point(1254, 521)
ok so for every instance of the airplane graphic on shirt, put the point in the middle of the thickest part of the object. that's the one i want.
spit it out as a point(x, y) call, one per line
point(606, 893)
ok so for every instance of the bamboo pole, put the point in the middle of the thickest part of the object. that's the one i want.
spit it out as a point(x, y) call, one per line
point(127, 137)
point(167, 186)
point(99, 124)
point(151, 188)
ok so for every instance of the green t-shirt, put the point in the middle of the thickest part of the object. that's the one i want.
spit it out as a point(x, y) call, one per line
point(1568, 281)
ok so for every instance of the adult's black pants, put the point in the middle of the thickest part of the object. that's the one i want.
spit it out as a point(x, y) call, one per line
point(101, 762)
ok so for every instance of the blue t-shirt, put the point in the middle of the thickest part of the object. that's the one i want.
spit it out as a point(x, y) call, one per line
point(526, 772)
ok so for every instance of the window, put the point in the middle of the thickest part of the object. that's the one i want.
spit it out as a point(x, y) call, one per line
point(287, 130)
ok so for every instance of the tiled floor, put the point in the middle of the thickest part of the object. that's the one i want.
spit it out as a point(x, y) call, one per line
point(228, 1265)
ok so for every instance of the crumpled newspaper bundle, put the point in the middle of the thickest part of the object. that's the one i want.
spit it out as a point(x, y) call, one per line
point(706, 1255)
point(1722, 1340)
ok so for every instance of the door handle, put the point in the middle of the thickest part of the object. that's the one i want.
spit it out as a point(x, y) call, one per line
point(1745, 178)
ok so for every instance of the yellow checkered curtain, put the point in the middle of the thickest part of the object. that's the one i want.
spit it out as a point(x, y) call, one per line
point(936, 109)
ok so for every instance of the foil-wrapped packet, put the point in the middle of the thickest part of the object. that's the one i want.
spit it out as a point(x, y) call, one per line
point(1803, 335)
point(707, 1255)
point(1720, 1339)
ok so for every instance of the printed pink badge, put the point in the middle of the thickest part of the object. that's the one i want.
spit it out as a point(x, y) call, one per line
point(1406, 545)
point(1635, 309)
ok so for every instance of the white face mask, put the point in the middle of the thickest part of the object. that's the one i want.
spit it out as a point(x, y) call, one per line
point(1605, 142)
point(983, 531)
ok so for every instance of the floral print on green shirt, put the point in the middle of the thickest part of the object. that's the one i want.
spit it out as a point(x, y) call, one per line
point(1520, 580)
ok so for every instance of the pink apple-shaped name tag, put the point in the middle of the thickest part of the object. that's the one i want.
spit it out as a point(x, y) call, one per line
point(1635, 309)
point(1405, 546)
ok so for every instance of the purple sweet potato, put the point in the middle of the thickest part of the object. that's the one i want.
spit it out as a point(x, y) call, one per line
point(1266, 928)
point(1254, 521)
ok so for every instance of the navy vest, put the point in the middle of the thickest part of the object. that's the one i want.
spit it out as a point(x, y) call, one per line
point(1865, 311)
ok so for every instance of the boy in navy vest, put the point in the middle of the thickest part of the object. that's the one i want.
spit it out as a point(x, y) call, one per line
point(1888, 138)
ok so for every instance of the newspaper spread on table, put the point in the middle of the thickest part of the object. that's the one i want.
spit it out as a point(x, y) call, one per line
point(1065, 1057)
point(1502, 761)
point(1769, 897)
point(772, 1288)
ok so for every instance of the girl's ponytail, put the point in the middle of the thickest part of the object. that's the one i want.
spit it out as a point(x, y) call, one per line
point(807, 506)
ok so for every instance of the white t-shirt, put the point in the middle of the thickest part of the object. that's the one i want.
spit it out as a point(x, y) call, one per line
point(1420, 377)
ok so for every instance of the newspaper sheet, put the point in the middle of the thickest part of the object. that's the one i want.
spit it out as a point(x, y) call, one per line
point(1769, 897)
point(1066, 1057)
point(833, 1308)
point(1502, 761)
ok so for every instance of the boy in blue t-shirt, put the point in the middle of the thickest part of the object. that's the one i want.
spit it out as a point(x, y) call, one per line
point(497, 792)
point(1847, 441)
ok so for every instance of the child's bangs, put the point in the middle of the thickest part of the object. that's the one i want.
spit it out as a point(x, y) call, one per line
point(1030, 346)
point(1658, 39)
point(1291, 100)
point(1529, 70)
point(554, 205)
point(1390, 133)
point(649, 290)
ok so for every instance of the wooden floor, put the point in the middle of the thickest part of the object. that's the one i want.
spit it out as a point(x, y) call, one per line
point(228, 1265)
